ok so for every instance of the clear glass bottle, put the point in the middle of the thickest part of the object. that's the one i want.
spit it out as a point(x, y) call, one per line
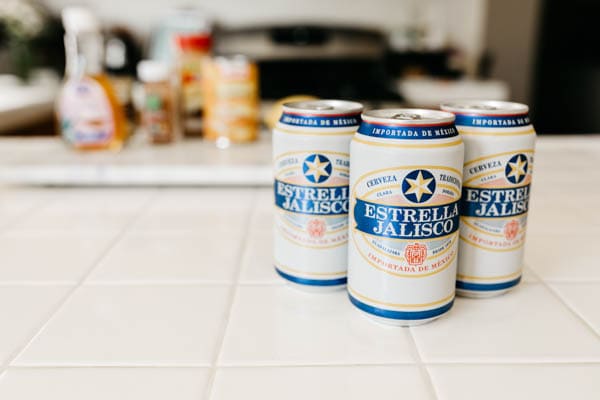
point(88, 112)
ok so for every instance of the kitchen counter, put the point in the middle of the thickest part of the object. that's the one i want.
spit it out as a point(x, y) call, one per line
point(168, 293)
point(191, 162)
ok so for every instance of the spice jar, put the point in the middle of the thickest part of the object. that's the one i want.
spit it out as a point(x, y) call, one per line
point(158, 116)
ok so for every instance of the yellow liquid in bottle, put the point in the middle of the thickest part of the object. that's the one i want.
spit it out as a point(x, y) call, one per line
point(120, 123)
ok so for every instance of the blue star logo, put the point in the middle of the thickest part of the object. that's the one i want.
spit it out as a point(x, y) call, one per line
point(516, 168)
point(418, 186)
point(316, 168)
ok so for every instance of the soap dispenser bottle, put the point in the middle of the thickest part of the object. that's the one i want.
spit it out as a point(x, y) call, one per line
point(88, 112)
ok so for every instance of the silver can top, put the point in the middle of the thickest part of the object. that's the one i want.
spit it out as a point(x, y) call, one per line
point(485, 107)
point(408, 116)
point(323, 107)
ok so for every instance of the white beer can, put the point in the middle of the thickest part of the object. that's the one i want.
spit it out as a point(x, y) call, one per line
point(405, 186)
point(499, 146)
point(311, 166)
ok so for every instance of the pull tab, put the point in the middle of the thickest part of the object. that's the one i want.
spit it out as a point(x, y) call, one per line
point(406, 116)
point(484, 107)
point(323, 107)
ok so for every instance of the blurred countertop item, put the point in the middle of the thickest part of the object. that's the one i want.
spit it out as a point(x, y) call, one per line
point(26, 104)
point(169, 293)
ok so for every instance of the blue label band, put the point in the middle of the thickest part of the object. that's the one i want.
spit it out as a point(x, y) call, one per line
point(487, 287)
point(399, 222)
point(311, 282)
point(487, 121)
point(311, 200)
point(407, 132)
point(401, 315)
point(321, 121)
point(494, 203)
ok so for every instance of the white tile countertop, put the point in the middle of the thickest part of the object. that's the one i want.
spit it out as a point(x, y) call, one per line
point(169, 293)
point(191, 162)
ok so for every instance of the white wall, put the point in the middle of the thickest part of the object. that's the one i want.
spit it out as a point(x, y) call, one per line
point(512, 42)
point(463, 20)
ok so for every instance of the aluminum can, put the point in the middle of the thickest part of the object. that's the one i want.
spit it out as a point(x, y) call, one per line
point(405, 186)
point(311, 166)
point(499, 149)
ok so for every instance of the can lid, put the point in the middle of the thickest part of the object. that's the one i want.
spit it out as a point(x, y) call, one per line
point(153, 71)
point(408, 116)
point(323, 107)
point(485, 107)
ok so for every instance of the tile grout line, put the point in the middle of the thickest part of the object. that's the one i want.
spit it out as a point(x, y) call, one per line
point(48, 316)
point(182, 282)
point(494, 363)
point(422, 367)
point(572, 281)
point(37, 207)
point(5, 228)
point(410, 364)
point(207, 394)
point(562, 300)
point(207, 282)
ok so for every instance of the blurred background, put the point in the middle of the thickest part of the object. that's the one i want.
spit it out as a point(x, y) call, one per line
point(382, 52)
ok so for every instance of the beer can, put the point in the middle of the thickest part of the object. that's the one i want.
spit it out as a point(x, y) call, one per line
point(311, 167)
point(405, 186)
point(499, 147)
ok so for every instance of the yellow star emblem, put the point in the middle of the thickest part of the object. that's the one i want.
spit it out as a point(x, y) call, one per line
point(316, 168)
point(419, 186)
point(517, 169)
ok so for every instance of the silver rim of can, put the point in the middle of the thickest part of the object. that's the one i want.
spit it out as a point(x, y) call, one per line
point(485, 107)
point(408, 116)
point(323, 107)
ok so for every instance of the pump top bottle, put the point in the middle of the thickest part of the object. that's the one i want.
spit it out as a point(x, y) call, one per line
point(88, 112)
